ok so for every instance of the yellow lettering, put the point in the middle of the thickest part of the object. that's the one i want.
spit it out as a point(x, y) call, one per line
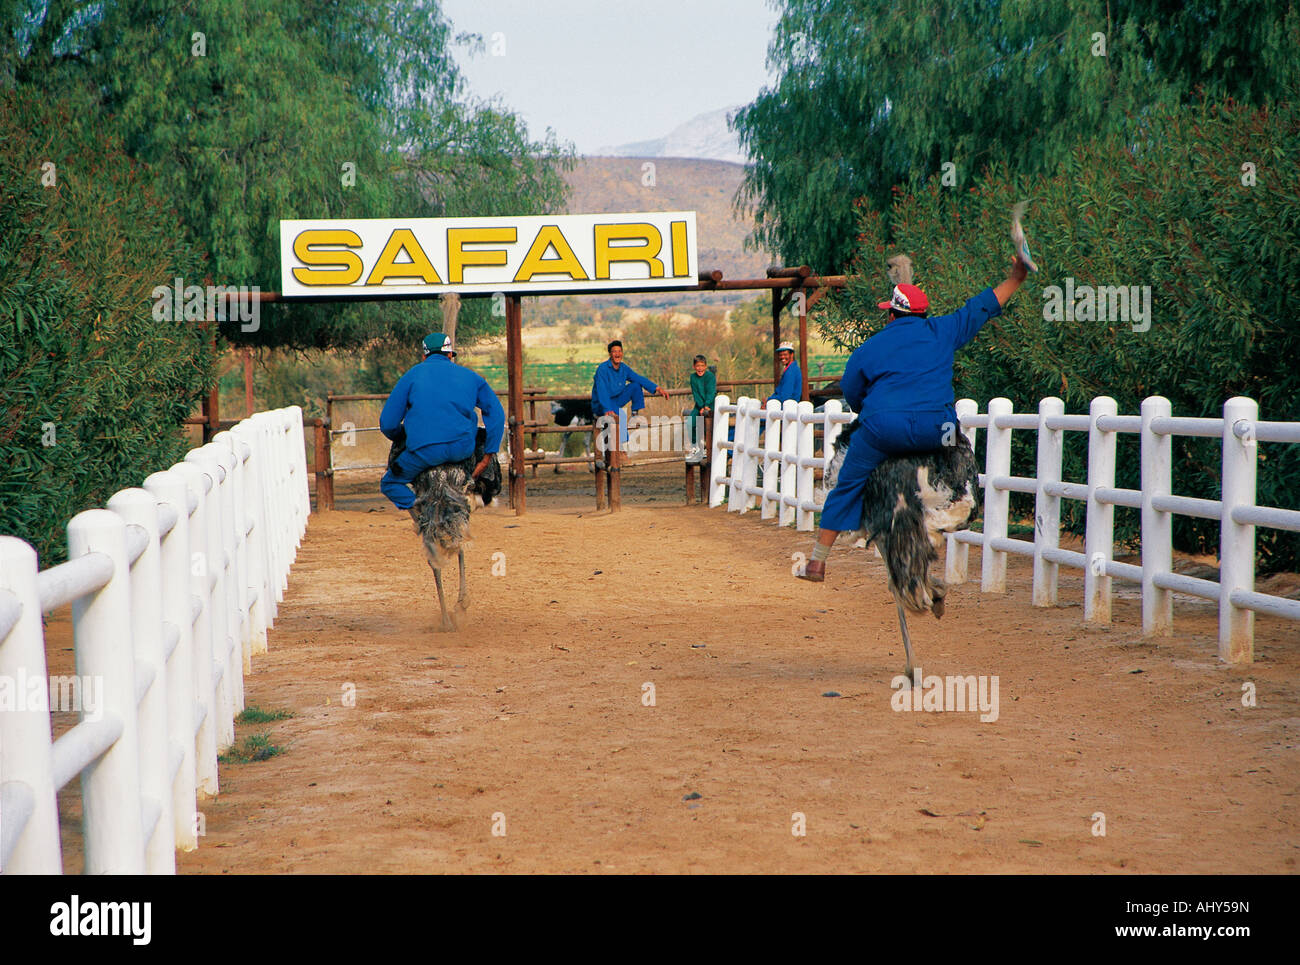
point(681, 257)
point(645, 253)
point(565, 262)
point(458, 259)
point(334, 267)
point(403, 239)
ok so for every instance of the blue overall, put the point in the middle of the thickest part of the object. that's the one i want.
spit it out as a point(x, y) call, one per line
point(790, 386)
point(435, 402)
point(900, 383)
point(612, 388)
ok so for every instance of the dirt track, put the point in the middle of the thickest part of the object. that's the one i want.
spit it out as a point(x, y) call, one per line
point(532, 716)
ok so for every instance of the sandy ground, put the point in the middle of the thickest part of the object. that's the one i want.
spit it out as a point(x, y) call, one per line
point(530, 740)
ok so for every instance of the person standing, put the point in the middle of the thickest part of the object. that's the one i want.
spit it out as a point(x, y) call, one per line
point(704, 389)
point(790, 385)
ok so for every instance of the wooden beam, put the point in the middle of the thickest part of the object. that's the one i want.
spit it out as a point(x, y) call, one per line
point(515, 372)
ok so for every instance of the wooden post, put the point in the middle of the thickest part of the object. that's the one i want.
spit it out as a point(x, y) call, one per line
point(602, 462)
point(532, 418)
point(776, 335)
point(515, 370)
point(803, 348)
point(324, 474)
point(249, 407)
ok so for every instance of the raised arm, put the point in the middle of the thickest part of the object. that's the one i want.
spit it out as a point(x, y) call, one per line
point(1014, 280)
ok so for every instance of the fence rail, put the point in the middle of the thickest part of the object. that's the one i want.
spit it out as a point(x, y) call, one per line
point(786, 488)
point(173, 587)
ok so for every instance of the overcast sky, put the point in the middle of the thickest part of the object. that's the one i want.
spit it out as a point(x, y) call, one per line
point(605, 72)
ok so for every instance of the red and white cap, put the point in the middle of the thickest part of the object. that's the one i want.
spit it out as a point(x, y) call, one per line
point(907, 300)
point(786, 347)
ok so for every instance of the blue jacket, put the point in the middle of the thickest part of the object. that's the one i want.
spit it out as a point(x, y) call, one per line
point(790, 386)
point(908, 364)
point(609, 391)
point(435, 400)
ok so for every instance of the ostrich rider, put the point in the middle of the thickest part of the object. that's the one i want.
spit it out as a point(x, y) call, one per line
point(791, 384)
point(614, 385)
point(432, 408)
point(899, 382)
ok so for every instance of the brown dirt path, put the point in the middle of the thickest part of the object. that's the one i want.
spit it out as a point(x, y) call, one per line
point(530, 718)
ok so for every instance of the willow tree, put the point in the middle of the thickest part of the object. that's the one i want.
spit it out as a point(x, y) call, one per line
point(874, 95)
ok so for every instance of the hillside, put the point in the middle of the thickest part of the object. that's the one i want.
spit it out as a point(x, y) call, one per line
point(599, 184)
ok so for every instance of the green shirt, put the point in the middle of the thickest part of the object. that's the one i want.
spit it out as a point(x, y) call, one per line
point(704, 388)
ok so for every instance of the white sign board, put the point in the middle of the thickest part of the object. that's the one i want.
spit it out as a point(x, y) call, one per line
point(430, 256)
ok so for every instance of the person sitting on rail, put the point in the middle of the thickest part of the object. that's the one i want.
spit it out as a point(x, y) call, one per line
point(791, 384)
point(615, 385)
point(432, 408)
point(704, 389)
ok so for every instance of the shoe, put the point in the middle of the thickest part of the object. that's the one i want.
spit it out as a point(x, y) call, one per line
point(814, 571)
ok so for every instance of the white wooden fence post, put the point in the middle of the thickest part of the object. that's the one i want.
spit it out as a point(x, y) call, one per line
point(240, 561)
point(806, 481)
point(789, 453)
point(753, 449)
point(256, 538)
point(27, 781)
point(222, 704)
point(739, 456)
point(231, 578)
point(718, 463)
point(1047, 507)
point(1099, 536)
point(171, 490)
point(200, 476)
point(993, 567)
point(771, 461)
point(1157, 526)
point(957, 555)
point(1237, 540)
point(139, 508)
point(110, 786)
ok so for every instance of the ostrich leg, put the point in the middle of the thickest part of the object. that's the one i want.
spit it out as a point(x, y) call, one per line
point(447, 622)
point(462, 601)
point(907, 643)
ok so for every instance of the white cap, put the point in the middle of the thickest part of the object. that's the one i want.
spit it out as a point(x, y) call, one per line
point(786, 347)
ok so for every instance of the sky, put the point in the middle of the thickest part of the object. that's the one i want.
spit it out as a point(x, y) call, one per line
point(601, 74)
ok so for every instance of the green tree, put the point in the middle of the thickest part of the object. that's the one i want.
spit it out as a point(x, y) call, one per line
point(255, 112)
point(875, 95)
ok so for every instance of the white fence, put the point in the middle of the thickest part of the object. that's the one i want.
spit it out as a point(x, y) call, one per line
point(1241, 433)
point(172, 587)
point(782, 439)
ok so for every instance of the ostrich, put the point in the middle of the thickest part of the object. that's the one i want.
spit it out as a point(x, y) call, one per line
point(441, 514)
point(908, 502)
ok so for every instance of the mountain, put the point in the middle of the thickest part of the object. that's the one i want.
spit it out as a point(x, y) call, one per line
point(602, 184)
point(705, 136)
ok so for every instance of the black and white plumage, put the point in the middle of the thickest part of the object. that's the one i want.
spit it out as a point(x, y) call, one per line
point(444, 498)
point(909, 500)
point(572, 413)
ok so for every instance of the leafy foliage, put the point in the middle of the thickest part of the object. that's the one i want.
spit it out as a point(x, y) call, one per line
point(92, 389)
point(265, 110)
point(873, 95)
point(1176, 212)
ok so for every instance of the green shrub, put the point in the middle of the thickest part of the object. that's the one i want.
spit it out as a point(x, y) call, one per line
point(92, 388)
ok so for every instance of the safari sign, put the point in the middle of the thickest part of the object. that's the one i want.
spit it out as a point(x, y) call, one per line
point(430, 256)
